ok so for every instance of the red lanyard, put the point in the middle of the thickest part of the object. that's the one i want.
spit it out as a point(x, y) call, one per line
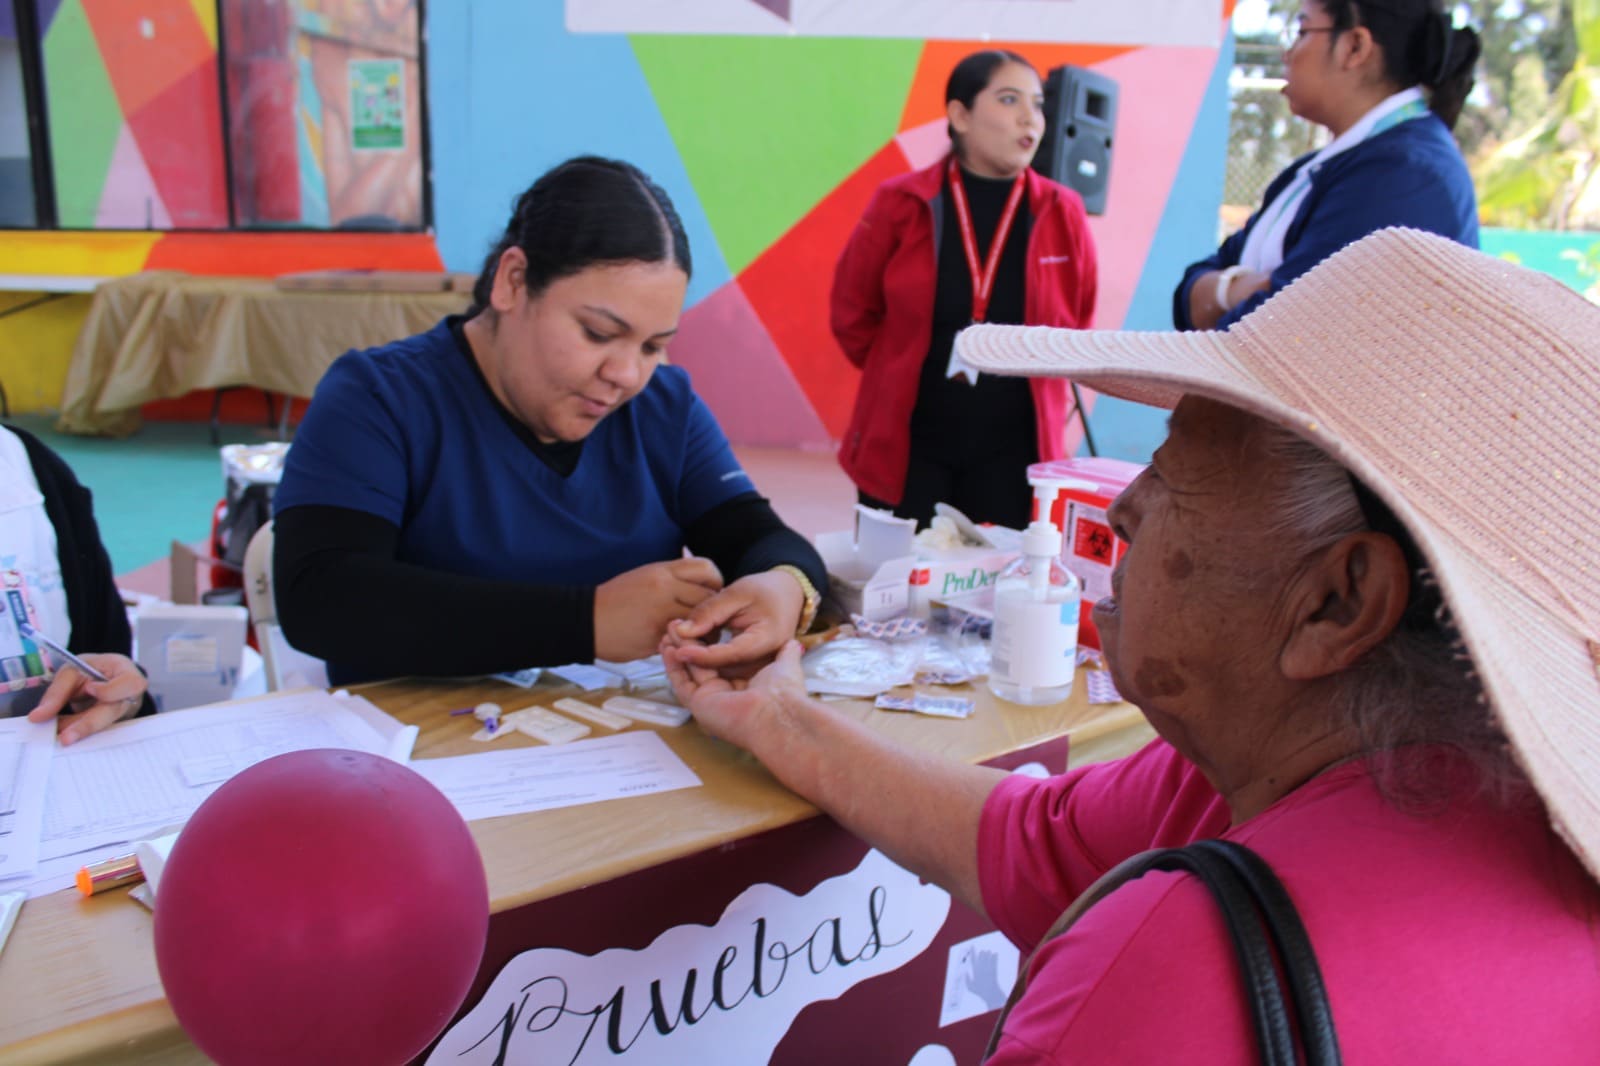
point(982, 284)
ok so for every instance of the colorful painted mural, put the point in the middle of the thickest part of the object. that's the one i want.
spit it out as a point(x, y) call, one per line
point(135, 113)
point(135, 97)
point(770, 145)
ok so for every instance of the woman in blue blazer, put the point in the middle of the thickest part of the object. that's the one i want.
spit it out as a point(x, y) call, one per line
point(1387, 78)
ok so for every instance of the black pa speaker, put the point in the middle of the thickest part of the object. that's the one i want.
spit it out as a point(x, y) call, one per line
point(1080, 114)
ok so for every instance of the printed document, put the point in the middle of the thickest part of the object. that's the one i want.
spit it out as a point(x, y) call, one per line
point(493, 783)
point(143, 777)
point(25, 751)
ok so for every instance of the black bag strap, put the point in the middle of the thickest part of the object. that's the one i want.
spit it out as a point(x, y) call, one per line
point(1297, 959)
point(1267, 934)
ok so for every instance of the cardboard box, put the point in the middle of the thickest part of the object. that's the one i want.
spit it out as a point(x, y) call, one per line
point(191, 653)
point(875, 571)
point(959, 572)
point(855, 587)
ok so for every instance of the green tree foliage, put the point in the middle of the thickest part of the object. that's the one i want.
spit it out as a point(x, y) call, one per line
point(1544, 173)
point(1528, 47)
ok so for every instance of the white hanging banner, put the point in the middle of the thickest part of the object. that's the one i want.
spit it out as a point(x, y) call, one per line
point(719, 995)
point(1197, 23)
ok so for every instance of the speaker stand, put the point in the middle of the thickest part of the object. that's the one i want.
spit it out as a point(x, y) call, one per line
point(1083, 418)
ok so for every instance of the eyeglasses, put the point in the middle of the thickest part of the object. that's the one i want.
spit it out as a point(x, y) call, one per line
point(1293, 32)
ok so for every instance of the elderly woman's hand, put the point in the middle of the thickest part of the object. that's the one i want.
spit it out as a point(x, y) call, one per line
point(731, 707)
point(82, 705)
point(760, 611)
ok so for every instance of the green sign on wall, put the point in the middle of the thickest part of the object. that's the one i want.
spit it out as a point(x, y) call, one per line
point(377, 104)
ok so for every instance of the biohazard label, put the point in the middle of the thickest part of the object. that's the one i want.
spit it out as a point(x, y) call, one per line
point(1092, 548)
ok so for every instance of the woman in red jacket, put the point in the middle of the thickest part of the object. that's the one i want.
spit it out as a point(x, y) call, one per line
point(978, 237)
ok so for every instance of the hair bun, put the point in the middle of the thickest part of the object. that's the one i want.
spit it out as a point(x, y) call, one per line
point(1439, 27)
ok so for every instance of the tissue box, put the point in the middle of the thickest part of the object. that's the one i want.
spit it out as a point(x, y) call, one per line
point(858, 586)
point(869, 567)
point(878, 572)
point(191, 653)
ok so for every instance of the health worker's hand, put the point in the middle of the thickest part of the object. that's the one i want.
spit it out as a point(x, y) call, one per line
point(760, 613)
point(82, 705)
point(631, 611)
point(733, 708)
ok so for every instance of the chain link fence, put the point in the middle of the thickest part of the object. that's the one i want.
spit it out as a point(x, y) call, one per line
point(1263, 136)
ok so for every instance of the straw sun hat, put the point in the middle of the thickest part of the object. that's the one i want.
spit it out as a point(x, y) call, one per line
point(1465, 392)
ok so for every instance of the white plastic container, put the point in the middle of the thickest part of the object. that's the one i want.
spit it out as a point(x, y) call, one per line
point(1034, 653)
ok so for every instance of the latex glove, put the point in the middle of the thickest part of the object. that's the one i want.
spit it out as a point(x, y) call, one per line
point(88, 705)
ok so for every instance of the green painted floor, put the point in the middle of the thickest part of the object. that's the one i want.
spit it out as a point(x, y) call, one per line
point(159, 485)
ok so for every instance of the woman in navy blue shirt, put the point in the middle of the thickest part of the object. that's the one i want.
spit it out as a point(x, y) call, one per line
point(517, 486)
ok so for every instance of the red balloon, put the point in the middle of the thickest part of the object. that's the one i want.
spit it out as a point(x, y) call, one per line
point(321, 906)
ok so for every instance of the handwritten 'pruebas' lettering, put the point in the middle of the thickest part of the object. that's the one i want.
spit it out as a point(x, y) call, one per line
point(546, 1004)
point(724, 993)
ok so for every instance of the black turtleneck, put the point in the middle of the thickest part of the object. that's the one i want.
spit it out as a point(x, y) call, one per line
point(952, 416)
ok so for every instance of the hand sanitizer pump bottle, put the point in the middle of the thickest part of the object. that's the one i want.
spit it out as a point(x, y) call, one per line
point(1034, 654)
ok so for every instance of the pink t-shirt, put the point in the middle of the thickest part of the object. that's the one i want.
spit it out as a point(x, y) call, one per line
point(1467, 936)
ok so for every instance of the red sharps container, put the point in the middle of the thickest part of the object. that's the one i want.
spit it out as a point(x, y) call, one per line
point(1088, 546)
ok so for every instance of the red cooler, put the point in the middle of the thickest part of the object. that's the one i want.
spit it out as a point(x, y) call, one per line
point(1088, 546)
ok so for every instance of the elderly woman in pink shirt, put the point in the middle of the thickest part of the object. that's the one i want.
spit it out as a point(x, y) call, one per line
point(1360, 609)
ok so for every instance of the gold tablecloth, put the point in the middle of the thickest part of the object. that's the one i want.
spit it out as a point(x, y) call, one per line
point(162, 334)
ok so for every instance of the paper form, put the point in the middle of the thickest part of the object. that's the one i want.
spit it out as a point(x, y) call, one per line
point(491, 784)
point(144, 776)
point(25, 752)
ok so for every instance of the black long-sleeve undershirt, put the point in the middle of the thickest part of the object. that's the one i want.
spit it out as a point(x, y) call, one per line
point(344, 597)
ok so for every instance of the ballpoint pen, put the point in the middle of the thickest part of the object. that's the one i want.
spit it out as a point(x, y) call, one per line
point(39, 638)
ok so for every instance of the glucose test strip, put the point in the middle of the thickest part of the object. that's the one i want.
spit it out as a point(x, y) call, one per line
point(652, 711)
point(543, 724)
point(590, 713)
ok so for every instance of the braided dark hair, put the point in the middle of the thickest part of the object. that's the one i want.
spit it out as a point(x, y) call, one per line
point(1421, 46)
point(586, 211)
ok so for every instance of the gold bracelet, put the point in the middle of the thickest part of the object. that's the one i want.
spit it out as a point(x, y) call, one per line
point(813, 598)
